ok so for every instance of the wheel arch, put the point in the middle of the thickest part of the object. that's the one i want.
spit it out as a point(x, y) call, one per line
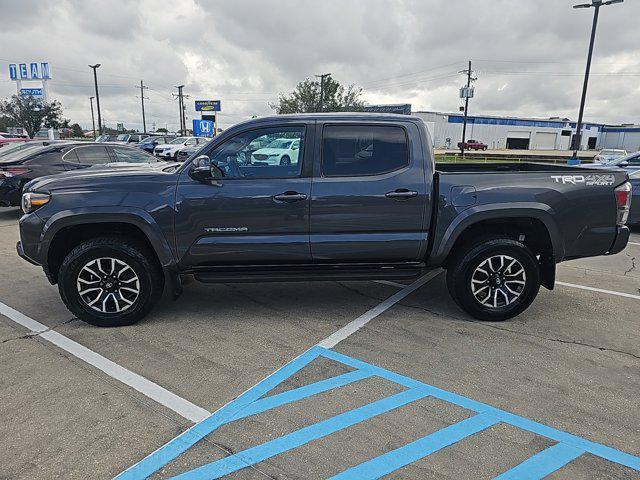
point(69, 229)
point(535, 227)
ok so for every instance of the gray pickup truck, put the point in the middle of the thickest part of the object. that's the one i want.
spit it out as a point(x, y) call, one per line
point(317, 197)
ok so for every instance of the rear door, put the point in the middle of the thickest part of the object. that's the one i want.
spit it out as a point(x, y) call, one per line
point(257, 214)
point(369, 196)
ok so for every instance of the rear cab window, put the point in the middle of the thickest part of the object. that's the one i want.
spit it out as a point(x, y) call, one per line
point(363, 150)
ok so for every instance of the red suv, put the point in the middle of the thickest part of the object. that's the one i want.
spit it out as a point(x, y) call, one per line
point(473, 145)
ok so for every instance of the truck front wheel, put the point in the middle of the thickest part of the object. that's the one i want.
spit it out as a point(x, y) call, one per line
point(494, 279)
point(110, 282)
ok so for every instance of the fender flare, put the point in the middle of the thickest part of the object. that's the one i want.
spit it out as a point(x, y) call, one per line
point(467, 218)
point(89, 215)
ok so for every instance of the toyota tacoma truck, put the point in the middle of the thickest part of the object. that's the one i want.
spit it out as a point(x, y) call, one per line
point(362, 200)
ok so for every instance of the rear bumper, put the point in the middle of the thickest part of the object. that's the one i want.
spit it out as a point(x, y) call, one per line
point(620, 243)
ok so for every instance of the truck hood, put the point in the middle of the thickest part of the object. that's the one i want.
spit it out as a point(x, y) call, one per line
point(111, 173)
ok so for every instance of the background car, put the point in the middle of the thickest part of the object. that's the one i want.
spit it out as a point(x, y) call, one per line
point(473, 145)
point(170, 150)
point(106, 138)
point(50, 158)
point(130, 137)
point(608, 155)
point(7, 141)
point(631, 163)
point(281, 151)
point(151, 142)
point(634, 214)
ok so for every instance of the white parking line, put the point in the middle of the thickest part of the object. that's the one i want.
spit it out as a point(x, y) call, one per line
point(633, 243)
point(599, 290)
point(152, 390)
point(352, 327)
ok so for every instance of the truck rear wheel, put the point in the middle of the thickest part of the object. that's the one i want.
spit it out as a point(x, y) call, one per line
point(110, 282)
point(495, 279)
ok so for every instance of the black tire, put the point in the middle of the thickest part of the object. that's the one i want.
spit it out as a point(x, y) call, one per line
point(465, 265)
point(285, 160)
point(136, 256)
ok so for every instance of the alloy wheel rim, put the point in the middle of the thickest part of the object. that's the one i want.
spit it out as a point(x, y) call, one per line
point(498, 281)
point(108, 285)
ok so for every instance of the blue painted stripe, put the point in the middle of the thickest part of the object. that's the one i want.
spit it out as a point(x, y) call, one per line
point(543, 463)
point(391, 461)
point(259, 453)
point(294, 395)
point(579, 443)
point(186, 440)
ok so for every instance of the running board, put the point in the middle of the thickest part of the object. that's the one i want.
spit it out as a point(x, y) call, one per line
point(306, 273)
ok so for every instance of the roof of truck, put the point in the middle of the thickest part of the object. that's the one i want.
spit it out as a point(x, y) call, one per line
point(338, 116)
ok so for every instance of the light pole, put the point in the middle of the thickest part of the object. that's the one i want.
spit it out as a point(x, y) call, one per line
point(577, 139)
point(322, 77)
point(95, 81)
point(93, 121)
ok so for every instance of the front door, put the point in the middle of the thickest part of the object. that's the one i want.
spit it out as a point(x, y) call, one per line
point(257, 213)
point(369, 198)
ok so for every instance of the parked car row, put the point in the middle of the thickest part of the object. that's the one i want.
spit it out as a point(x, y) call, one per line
point(36, 159)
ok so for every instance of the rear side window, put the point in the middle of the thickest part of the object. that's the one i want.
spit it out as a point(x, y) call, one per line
point(94, 155)
point(358, 150)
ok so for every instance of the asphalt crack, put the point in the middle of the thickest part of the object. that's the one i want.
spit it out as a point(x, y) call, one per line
point(526, 334)
point(633, 266)
point(37, 334)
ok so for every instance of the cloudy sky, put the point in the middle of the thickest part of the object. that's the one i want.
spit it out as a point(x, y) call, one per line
point(528, 55)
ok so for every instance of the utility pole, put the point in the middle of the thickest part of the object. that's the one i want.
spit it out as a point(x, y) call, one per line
point(322, 77)
point(93, 121)
point(466, 94)
point(95, 81)
point(183, 127)
point(142, 88)
point(577, 139)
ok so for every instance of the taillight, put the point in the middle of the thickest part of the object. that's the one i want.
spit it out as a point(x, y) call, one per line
point(13, 171)
point(623, 200)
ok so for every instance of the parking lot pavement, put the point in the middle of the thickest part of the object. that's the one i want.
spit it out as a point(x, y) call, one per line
point(571, 362)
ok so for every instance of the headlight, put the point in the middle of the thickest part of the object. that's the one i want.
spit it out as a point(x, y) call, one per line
point(33, 201)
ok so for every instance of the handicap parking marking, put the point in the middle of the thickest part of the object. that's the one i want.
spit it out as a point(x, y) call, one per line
point(567, 448)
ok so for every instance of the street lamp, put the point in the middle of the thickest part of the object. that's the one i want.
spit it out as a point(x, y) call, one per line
point(95, 81)
point(93, 121)
point(577, 139)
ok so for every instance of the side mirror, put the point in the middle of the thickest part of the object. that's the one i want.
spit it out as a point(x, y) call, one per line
point(203, 170)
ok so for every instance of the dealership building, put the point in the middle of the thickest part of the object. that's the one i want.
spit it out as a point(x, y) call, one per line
point(511, 132)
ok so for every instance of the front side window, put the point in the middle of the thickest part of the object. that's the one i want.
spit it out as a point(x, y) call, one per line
point(262, 153)
point(93, 155)
point(359, 150)
point(179, 140)
point(131, 155)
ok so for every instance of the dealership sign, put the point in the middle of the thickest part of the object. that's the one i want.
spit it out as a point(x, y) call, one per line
point(31, 92)
point(207, 105)
point(203, 128)
point(31, 71)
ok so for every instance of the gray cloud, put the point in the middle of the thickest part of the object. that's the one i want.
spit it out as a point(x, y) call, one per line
point(529, 55)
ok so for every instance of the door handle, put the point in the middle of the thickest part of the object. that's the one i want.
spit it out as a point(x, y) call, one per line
point(290, 197)
point(402, 193)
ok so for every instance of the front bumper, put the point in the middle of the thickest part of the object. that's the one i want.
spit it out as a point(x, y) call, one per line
point(23, 255)
point(620, 243)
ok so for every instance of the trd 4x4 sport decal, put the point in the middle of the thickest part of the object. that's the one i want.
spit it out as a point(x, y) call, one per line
point(589, 180)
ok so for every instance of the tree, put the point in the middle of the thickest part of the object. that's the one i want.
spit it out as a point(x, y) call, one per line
point(77, 130)
point(31, 113)
point(306, 98)
point(162, 130)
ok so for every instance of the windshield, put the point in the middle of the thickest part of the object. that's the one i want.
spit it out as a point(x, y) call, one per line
point(612, 152)
point(149, 139)
point(280, 143)
point(179, 140)
point(22, 153)
point(11, 148)
point(122, 138)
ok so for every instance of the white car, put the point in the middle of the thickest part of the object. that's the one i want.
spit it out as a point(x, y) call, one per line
point(170, 150)
point(281, 151)
point(609, 154)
